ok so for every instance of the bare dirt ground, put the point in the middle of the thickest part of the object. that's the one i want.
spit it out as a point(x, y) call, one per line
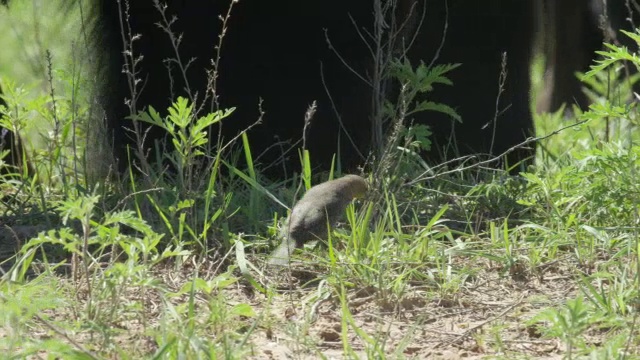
point(485, 318)
point(303, 317)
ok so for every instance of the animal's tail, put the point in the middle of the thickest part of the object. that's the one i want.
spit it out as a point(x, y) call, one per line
point(280, 256)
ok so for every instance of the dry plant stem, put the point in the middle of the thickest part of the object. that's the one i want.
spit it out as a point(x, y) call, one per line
point(377, 83)
point(501, 81)
point(343, 61)
point(483, 323)
point(308, 116)
point(175, 44)
point(74, 125)
point(313, 311)
point(444, 33)
point(337, 114)
point(212, 74)
point(283, 153)
point(409, 25)
point(279, 144)
point(60, 332)
point(384, 55)
point(193, 97)
point(353, 71)
point(423, 177)
point(223, 148)
point(129, 68)
point(86, 230)
point(57, 144)
point(608, 35)
point(388, 159)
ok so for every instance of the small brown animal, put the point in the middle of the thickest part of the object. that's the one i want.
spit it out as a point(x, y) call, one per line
point(323, 205)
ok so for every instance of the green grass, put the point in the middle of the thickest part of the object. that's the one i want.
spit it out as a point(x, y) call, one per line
point(174, 266)
point(45, 51)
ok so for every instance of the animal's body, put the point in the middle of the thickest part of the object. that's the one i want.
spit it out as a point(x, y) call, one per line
point(318, 210)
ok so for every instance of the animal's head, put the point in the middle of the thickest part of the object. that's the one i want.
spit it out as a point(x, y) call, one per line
point(356, 185)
